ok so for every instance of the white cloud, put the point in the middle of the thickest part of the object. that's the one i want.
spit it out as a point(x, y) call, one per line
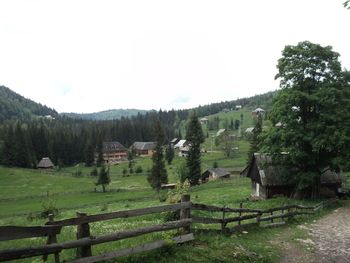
point(87, 56)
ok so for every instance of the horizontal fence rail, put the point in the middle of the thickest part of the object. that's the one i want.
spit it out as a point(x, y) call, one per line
point(85, 240)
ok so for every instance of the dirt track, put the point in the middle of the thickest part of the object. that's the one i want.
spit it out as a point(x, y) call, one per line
point(329, 240)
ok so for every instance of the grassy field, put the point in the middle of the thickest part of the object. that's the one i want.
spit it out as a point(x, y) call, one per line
point(26, 193)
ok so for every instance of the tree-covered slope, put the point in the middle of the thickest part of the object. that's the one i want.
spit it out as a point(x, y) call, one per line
point(15, 106)
point(105, 115)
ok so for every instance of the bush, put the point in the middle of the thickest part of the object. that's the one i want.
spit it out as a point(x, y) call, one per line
point(48, 205)
point(138, 169)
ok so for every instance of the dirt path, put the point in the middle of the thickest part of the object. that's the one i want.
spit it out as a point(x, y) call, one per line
point(328, 241)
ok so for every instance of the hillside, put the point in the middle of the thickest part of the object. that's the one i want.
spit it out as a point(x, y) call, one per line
point(15, 106)
point(105, 115)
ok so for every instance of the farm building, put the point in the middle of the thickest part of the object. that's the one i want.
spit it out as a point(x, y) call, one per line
point(268, 180)
point(183, 151)
point(219, 132)
point(143, 148)
point(45, 164)
point(203, 120)
point(180, 144)
point(258, 111)
point(114, 152)
point(215, 173)
point(174, 141)
point(238, 107)
point(249, 130)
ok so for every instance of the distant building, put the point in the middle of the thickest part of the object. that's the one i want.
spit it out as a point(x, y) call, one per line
point(249, 130)
point(258, 111)
point(45, 164)
point(143, 148)
point(180, 144)
point(226, 110)
point(238, 107)
point(183, 151)
point(219, 132)
point(203, 120)
point(174, 141)
point(215, 173)
point(114, 152)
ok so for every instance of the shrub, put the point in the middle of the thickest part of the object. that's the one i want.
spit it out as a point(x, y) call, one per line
point(138, 169)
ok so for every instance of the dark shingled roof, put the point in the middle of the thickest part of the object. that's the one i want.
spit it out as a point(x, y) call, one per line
point(221, 172)
point(143, 146)
point(261, 170)
point(45, 163)
point(113, 146)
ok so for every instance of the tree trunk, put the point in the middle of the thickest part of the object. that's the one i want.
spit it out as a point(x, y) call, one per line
point(316, 187)
point(103, 188)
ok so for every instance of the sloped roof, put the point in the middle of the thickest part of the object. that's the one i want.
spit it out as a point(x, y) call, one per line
point(113, 146)
point(144, 146)
point(180, 143)
point(45, 163)
point(263, 171)
point(259, 110)
point(175, 140)
point(250, 129)
point(221, 172)
point(220, 131)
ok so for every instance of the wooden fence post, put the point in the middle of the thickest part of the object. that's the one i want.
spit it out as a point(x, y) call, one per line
point(51, 239)
point(240, 213)
point(224, 229)
point(271, 213)
point(83, 230)
point(258, 219)
point(185, 213)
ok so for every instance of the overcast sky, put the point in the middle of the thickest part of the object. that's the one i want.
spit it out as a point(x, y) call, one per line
point(87, 56)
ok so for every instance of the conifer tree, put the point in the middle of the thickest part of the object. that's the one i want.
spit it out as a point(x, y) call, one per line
point(255, 139)
point(194, 136)
point(158, 175)
point(103, 177)
point(169, 154)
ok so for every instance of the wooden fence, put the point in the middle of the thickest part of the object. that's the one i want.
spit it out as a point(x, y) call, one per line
point(85, 240)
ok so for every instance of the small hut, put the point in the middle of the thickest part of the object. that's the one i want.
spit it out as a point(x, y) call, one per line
point(45, 164)
point(215, 173)
point(269, 180)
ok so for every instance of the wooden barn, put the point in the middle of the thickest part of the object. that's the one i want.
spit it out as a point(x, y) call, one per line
point(269, 180)
point(45, 164)
point(114, 152)
point(215, 173)
point(143, 148)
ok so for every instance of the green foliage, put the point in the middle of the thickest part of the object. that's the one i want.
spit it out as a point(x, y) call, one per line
point(94, 172)
point(174, 196)
point(169, 153)
point(106, 115)
point(194, 136)
point(138, 169)
point(103, 178)
point(158, 175)
point(313, 108)
point(48, 206)
point(215, 164)
point(226, 141)
point(255, 139)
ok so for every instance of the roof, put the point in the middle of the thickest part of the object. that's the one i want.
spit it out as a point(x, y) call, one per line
point(220, 131)
point(45, 163)
point(220, 172)
point(144, 146)
point(259, 110)
point(250, 129)
point(263, 171)
point(113, 146)
point(174, 140)
point(180, 143)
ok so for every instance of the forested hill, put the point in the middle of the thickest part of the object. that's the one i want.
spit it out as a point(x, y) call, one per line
point(105, 115)
point(16, 107)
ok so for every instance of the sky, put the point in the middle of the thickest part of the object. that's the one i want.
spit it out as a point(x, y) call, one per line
point(87, 56)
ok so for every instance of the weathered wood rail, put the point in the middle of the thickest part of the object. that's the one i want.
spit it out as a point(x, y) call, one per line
point(85, 240)
point(254, 215)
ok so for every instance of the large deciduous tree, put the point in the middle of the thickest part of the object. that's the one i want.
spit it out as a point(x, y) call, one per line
point(158, 175)
point(312, 109)
point(194, 136)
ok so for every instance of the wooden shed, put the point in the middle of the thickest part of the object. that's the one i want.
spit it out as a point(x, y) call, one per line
point(45, 164)
point(269, 180)
point(215, 173)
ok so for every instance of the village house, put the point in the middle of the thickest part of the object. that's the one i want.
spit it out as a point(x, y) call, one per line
point(114, 152)
point(257, 112)
point(268, 180)
point(143, 148)
point(45, 164)
point(203, 120)
point(238, 107)
point(215, 173)
point(174, 141)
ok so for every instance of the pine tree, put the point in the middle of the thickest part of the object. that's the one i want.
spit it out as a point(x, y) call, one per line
point(194, 136)
point(255, 139)
point(103, 177)
point(169, 153)
point(158, 175)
